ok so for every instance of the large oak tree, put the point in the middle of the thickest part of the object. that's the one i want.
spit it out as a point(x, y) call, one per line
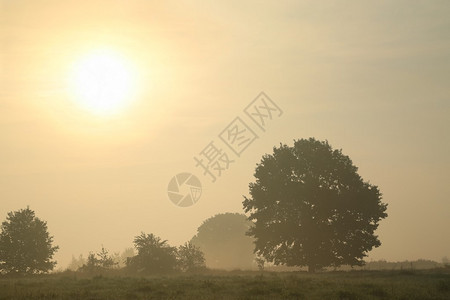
point(311, 208)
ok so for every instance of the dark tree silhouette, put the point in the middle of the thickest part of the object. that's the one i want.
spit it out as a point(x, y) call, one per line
point(190, 258)
point(154, 256)
point(25, 244)
point(98, 262)
point(311, 208)
point(224, 242)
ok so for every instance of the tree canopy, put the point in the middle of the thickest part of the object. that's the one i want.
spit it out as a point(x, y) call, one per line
point(25, 244)
point(191, 258)
point(223, 240)
point(155, 256)
point(311, 208)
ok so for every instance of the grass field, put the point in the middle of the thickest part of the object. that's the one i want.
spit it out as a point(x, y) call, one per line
point(406, 284)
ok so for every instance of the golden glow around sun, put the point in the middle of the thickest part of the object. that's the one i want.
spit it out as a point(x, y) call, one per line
point(102, 82)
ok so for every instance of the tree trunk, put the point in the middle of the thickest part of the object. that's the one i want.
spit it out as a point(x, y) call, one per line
point(311, 268)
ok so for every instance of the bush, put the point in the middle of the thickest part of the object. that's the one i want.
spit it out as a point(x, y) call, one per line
point(98, 262)
point(190, 258)
point(155, 256)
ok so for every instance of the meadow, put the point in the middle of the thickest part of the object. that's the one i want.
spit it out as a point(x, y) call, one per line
point(400, 284)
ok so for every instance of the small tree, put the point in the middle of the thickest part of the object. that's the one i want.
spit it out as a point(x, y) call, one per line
point(190, 258)
point(98, 262)
point(25, 244)
point(155, 256)
point(105, 260)
point(92, 264)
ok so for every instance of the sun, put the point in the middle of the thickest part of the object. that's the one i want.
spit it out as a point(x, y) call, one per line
point(102, 82)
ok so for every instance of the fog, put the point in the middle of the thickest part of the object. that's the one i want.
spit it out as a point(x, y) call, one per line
point(371, 78)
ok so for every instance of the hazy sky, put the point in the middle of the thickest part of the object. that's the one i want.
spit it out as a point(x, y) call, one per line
point(371, 77)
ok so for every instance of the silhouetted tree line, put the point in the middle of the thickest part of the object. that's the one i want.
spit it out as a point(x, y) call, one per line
point(220, 243)
point(402, 265)
point(308, 207)
point(154, 256)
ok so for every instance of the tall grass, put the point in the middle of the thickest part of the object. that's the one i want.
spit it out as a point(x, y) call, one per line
point(414, 284)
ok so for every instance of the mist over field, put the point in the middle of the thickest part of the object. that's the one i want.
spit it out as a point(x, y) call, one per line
point(148, 137)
